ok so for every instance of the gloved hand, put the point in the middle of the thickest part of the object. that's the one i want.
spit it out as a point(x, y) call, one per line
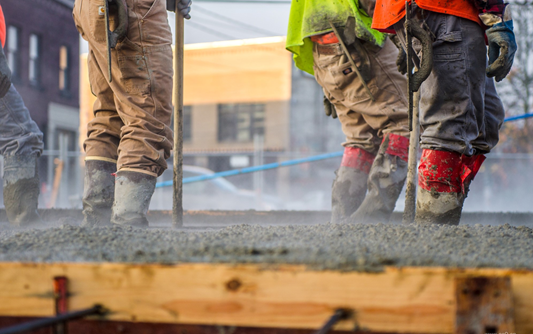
point(401, 60)
point(121, 30)
point(5, 74)
point(502, 47)
point(184, 6)
point(329, 108)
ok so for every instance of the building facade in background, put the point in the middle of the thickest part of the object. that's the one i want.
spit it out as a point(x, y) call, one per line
point(42, 49)
point(245, 105)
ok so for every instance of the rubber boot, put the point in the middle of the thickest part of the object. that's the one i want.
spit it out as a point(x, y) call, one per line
point(98, 192)
point(133, 192)
point(21, 189)
point(444, 179)
point(386, 180)
point(350, 185)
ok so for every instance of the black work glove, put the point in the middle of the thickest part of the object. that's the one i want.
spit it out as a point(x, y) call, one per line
point(121, 30)
point(5, 74)
point(401, 60)
point(502, 47)
point(329, 108)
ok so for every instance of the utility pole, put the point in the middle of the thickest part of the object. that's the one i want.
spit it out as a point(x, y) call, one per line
point(177, 204)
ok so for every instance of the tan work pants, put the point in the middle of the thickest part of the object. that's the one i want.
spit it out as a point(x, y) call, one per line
point(364, 122)
point(132, 113)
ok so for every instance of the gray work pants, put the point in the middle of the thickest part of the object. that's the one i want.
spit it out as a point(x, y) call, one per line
point(19, 135)
point(460, 110)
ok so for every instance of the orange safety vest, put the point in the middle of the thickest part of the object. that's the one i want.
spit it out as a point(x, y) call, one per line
point(2, 28)
point(389, 12)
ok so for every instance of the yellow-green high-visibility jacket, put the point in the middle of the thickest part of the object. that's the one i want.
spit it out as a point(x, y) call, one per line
point(312, 17)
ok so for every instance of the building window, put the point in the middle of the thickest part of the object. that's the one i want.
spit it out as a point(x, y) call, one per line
point(240, 122)
point(13, 50)
point(35, 59)
point(64, 69)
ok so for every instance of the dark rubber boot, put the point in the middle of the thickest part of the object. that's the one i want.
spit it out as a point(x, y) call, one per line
point(98, 192)
point(350, 185)
point(386, 180)
point(21, 189)
point(133, 192)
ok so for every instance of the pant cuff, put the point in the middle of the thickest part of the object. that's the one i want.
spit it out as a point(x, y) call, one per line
point(137, 171)
point(101, 159)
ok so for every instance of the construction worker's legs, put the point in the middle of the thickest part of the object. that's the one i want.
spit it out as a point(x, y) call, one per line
point(142, 93)
point(21, 144)
point(458, 123)
point(364, 122)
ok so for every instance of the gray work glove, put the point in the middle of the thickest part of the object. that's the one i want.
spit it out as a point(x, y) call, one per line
point(502, 47)
point(184, 6)
point(329, 108)
point(5, 74)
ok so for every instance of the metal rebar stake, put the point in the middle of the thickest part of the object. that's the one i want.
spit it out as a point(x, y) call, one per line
point(177, 205)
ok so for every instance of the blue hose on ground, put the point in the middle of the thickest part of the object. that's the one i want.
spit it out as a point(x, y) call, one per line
point(254, 169)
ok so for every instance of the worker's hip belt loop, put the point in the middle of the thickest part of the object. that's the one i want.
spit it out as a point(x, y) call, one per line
point(447, 172)
point(357, 158)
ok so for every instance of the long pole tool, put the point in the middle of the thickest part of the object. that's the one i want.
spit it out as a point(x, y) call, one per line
point(177, 204)
point(415, 77)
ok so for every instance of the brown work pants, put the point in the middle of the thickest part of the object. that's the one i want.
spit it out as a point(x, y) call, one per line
point(132, 113)
point(364, 122)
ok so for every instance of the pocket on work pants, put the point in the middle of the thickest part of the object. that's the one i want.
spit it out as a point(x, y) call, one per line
point(94, 12)
point(134, 74)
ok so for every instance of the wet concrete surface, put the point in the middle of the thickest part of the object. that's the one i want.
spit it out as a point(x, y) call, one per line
point(276, 238)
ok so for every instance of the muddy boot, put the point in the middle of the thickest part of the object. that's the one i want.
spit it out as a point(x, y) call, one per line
point(21, 189)
point(98, 192)
point(385, 182)
point(133, 192)
point(350, 185)
point(443, 182)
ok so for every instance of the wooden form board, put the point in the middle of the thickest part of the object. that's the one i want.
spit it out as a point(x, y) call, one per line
point(414, 300)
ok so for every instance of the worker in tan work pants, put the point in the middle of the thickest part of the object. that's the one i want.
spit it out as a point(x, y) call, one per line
point(374, 166)
point(130, 134)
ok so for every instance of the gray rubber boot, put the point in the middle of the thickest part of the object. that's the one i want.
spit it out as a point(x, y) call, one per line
point(98, 192)
point(21, 189)
point(133, 192)
point(349, 189)
point(385, 182)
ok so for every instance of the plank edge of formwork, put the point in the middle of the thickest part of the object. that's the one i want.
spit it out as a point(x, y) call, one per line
point(442, 273)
